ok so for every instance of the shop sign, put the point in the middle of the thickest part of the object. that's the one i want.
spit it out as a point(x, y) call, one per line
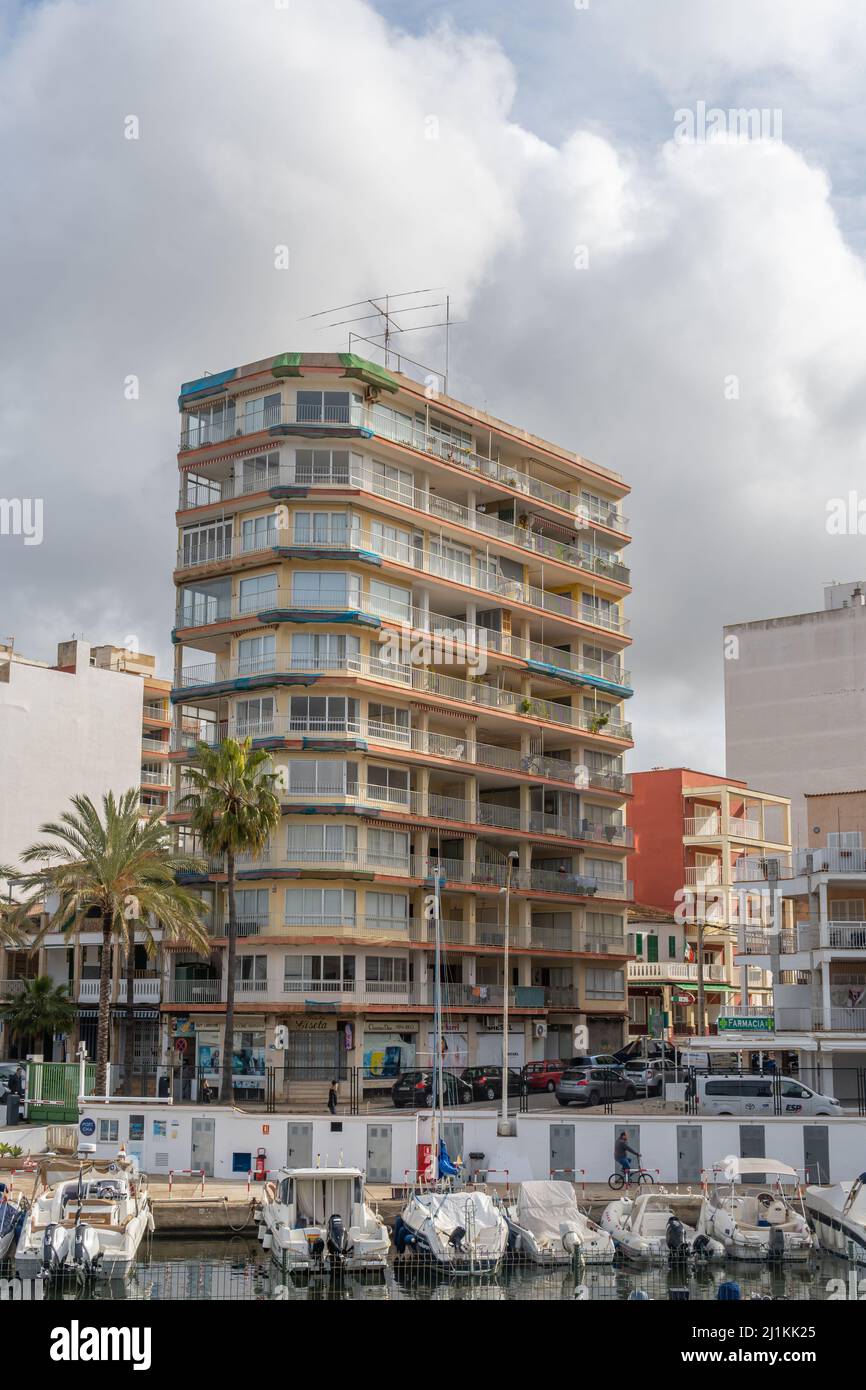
point(391, 1025)
point(765, 1023)
point(314, 1025)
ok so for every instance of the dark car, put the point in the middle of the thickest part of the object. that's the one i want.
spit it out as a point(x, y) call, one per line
point(592, 1085)
point(486, 1082)
point(415, 1088)
point(543, 1076)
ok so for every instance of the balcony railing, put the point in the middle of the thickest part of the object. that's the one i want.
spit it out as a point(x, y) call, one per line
point(146, 989)
point(703, 875)
point(844, 936)
point(441, 627)
point(10, 989)
point(833, 861)
point(289, 416)
point(639, 970)
point(195, 992)
point(155, 745)
point(159, 712)
point(471, 576)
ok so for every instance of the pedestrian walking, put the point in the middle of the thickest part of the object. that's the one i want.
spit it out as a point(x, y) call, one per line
point(332, 1098)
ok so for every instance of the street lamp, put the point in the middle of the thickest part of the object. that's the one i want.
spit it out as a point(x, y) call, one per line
point(511, 860)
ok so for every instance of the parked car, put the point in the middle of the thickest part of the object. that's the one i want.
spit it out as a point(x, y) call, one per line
point(415, 1088)
point(650, 1049)
point(716, 1094)
point(543, 1076)
point(596, 1059)
point(486, 1082)
point(648, 1078)
point(592, 1085)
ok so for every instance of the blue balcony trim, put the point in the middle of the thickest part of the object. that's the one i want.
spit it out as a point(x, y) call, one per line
point(205, 385)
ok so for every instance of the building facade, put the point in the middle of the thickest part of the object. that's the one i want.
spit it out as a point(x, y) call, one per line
point(795, 700)
point(817, 954)
point(97, 720)
point(695, 836)
point(418, 610)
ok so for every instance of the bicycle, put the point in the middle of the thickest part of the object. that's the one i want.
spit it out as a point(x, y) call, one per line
point(638, 1175)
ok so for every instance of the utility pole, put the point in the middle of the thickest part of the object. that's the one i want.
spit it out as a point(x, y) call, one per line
point(512, 857)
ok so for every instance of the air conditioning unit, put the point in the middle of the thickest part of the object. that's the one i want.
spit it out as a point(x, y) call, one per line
point(540, 1029)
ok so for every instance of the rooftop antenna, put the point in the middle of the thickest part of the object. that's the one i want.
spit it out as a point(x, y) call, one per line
point(390, 312)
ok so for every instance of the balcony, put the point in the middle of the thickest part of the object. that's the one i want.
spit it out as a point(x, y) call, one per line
point(289, 418)
point(195, 992)
point(676, 972)
point(844, 936)
point(247, 986)
point(364, 991)
point(417, 679)
point(832, 861)
point(475, 578)
point(704, 875)
point(146, 989)
point(10, 989)
point(155, 745)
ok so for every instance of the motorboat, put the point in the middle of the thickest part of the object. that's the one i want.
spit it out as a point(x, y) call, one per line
point(457, 1231)
point(86, 1215)
point(546, 1225)
point(757, 1220)
point(838, 1216)
point(653, 1227)
point(317, 1220)
point(13, 1209)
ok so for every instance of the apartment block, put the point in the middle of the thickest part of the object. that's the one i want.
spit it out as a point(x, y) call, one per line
point(96, 720)
point(795, 700)
point(418, 609)
point(696, 836)
point(817, 952)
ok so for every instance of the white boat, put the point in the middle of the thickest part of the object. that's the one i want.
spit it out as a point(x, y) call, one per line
point(458, 1232)
point(87, 1215)
point(13, 1209)
point(546, 1225)
point(317, 1219)
point(756, 1222)
point(652, 1227)
point(838, 1215)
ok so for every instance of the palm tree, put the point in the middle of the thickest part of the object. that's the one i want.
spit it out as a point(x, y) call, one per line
point(233, 810)
point(119, 868)
point(39, 1011)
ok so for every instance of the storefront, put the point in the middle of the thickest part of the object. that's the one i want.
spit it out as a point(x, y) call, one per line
point(488, 1043)
point(389, 1048)
point(317, 1047)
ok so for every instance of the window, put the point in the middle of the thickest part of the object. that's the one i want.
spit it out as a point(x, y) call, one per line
point(206, 602)
point(323, 466)
point(320, 907)
point(392, 541)
point(253, 717)
point(846, 910)
point(259, 532)
point(209, 424)
point(605, 870)
point(261, 412)
point(652, 949)
point(451, 561)
point(845, 839)
point(108, 1131)
point(258, 592)
point(328, 407)
point(260, 472)
point(323, 713)
point(385, 970)
point(252, 906)
point(396, 483)
point(602, 611)
point(605, 984)
point(323, 528)
point(672, 948)
point(394, 424)
point(325, 651)
point(251, 969)
point(389, 784)
point(388, 911)
point(323, 843)
point(449, 435)
point(257, 654)
point(388, 721)
point(598, 661)
point(325, 588)
point(322, 777)
point(389, 848)
point(392, 601)
point(319, 972)
point(599, 508)
point(200, 544)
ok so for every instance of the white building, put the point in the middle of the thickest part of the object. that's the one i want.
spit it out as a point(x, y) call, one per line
point(795, 700)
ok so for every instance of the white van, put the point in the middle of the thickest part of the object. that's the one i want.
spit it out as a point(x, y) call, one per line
point(717, 1094)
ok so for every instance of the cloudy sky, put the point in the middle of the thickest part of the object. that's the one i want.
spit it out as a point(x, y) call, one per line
point(711, 349)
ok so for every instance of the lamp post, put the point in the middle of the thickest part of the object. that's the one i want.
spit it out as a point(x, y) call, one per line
point(512, 858)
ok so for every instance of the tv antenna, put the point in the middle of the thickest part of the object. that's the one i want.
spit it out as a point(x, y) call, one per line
point(386, 315)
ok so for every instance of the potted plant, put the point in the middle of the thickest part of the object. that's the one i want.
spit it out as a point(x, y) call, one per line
point(526, 705)
point(598, 722)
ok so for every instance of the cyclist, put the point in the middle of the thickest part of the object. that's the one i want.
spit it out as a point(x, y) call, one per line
point(621, 1151)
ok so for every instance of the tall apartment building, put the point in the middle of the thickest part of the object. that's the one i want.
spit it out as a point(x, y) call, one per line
point(818, 958)
point(695, 836)
point(795, 700)
point(418, 609)
point(96, 720)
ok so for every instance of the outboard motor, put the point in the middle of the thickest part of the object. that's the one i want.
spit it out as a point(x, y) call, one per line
point(85, 1249)
point(676, 1240)
point(701, 1248)
point(456, 1238)
point(777, 1243)
point(337, 1237)
point(55, 1244)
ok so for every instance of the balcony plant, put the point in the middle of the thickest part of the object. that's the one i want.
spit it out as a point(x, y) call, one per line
point(113, 870)
point(598, 722)
point(233, 807)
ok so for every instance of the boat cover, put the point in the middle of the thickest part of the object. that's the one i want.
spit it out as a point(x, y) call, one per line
point(448, 1210)
point(544, 1207)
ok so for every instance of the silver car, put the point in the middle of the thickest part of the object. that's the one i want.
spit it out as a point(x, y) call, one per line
point(593, 1085)
point(648, 1078)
